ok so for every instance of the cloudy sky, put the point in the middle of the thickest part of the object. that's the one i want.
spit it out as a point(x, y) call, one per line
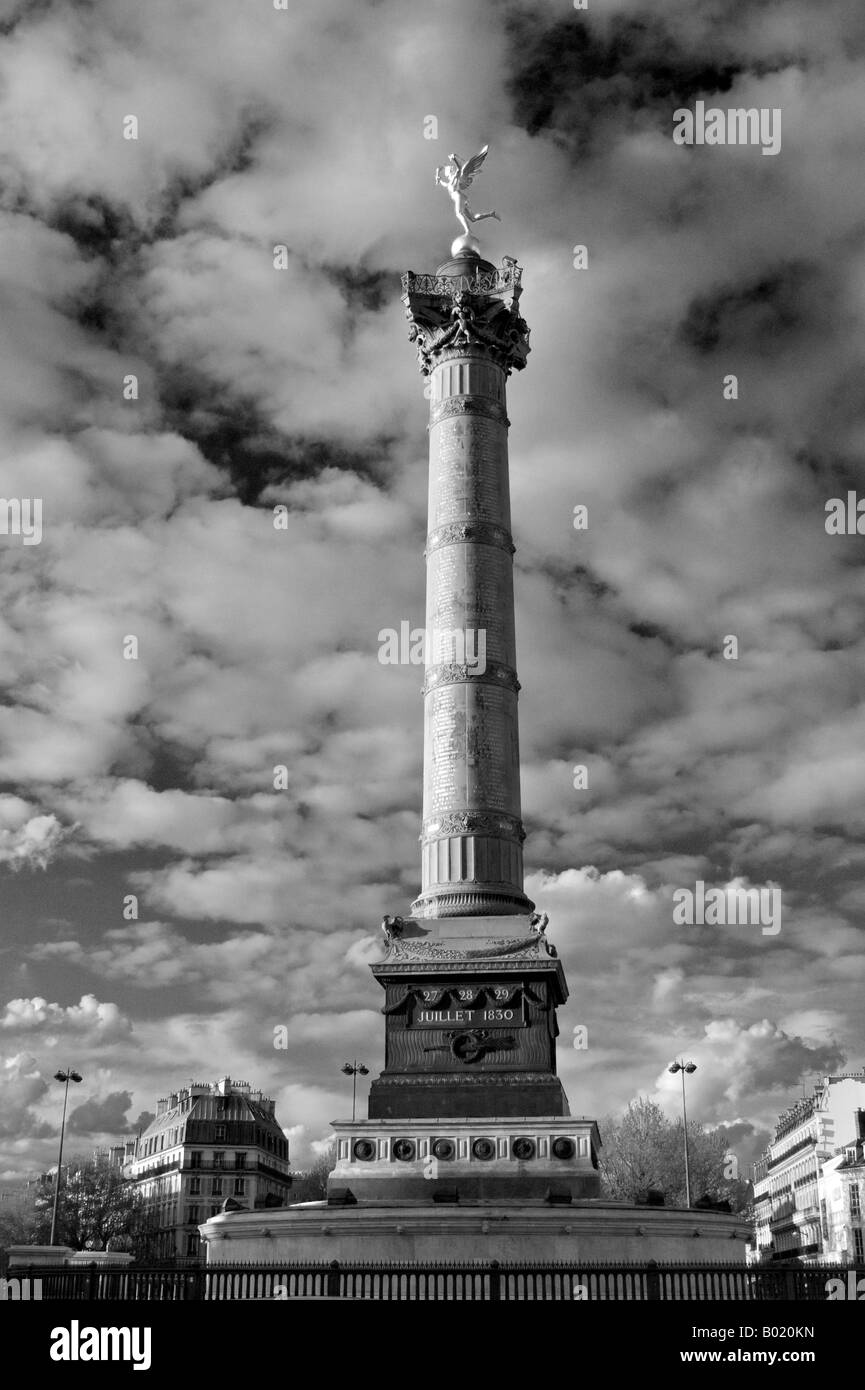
point(256, 646)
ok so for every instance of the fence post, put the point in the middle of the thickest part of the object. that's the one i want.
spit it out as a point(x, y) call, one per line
point(92, 1280)
point(495, 1282)
point(333, 1280)
point(653, 1282)
point(791, 1283)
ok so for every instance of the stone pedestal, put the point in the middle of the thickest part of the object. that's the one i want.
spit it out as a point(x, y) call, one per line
point(470, 1010)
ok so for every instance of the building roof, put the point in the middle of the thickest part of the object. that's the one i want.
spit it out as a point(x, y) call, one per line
point(802, 1109)
point(225, 1100)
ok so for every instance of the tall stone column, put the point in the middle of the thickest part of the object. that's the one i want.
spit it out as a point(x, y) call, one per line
point(469, 336)
point(471, 983)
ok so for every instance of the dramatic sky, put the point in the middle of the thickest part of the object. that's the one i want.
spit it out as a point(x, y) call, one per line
point(256, 646)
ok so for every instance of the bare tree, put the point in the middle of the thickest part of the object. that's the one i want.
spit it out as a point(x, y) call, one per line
point(644, 1151)
point(310, 1185)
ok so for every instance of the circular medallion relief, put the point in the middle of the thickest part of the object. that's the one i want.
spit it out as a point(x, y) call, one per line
point(483, 1148)
point(444, 1149)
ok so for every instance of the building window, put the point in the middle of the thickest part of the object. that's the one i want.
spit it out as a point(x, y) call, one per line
point(858, 1246)
point(195, 1159)
point(855, 1208)
point(220, 1132)
point(192, 1243)
point(239, 1186)
point(219, 1160)
point(194, 1215)
point(240, 1160)
point(216, 1187)
point(195, 1186)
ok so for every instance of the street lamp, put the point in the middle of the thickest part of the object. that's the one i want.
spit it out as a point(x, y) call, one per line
point(683, 1067)
point(354, 1069)
point(65, 1076)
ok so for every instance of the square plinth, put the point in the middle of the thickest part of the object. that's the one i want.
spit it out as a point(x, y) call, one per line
point(470, 1021)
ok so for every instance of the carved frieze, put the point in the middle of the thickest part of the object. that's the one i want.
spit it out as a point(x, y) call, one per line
point(474, 532)
point(468, 405)
point(415, 949)
point(503, 282)
point(474, 823)
point(451, 673)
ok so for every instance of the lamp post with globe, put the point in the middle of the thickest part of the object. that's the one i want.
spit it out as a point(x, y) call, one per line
point(684, 1067)
point(66, 1077)
point(354, 1069)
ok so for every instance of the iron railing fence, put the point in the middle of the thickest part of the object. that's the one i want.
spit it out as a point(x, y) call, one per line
point(477, 1281)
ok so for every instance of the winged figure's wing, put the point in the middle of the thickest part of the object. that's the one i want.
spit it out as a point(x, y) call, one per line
point(472, 166)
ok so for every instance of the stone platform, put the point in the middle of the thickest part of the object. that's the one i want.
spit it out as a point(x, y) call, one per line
point(604, 1232)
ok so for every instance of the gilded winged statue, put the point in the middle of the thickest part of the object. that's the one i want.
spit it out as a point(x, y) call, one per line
point(456, 177)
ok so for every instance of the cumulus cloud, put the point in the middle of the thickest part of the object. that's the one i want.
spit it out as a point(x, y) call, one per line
point(22, 1088)
point(89, 1017)
point(26, 839)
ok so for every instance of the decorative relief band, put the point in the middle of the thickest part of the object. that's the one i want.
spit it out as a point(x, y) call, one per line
point(474, 532)
point(429, 950)
point(474, 823)
point(469, 904)
point(495, 673)
point(503, 281)
point(467, 405)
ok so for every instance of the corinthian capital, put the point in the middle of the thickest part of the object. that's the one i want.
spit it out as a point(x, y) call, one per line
point(458, 315)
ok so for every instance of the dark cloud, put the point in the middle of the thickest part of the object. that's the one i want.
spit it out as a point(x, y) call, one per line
point(106, 1116)
point(761, 315)
point(578, 82)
